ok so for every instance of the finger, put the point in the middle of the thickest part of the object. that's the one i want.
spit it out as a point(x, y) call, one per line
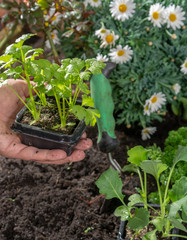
point(31, 153)
point(84, 135)
point(84, 144)
point(76, 156)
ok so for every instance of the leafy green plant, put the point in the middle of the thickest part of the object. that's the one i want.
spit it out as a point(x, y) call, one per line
point(172, 203)
point(175, 138)
point(64, 82)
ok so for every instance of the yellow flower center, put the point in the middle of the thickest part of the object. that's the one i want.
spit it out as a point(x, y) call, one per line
point(121, 53)
point(103, 31)
point(122, 8)
point(155, 15)
point(185, 64)
point(53, 18)
point(52, 35)
point(109, 38)
point(147, 107)
point(95, 0)
point(154, 99)
point(146, 131)
point(46, 24)
point(172, 17)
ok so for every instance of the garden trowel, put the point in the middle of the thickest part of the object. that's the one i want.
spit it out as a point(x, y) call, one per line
point(101, 92)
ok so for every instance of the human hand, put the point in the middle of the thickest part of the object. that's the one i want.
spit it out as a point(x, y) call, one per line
point(10, 143)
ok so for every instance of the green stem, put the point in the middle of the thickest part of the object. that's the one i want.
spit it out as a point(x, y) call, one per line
point(165, 85)
point(33, 105)
point(168, 182)
point(141, 181)
point(19, 97)
point(62, 120)
point(162, 208)
point(149, 206)
point(76, 95)
point(53, 48)
point(139, 100)
point(145, 188)
point(64, 108)
point(175, 235)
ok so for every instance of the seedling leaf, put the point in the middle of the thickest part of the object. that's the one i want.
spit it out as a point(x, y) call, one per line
point(181, 155)
point(154, 168)
point(122, 211)
point(110, 184)
point(140, 219)
point(150, 235)
point(179, 189)
point(137, 155)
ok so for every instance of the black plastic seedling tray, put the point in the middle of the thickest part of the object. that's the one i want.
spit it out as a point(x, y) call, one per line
point(43, 139)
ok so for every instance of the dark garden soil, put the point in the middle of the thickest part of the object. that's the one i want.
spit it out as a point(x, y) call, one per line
point(45, 202)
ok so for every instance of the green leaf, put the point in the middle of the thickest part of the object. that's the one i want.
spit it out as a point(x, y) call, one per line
point(85, 75)
point(35, 53)
point(94, 66)
point(159, 223)
point(34, 69)
point(181, 155)
point(130, 168)
point(176, 206)
point(78, 63)
point(150, 235)
point(176, 223)
point(43, 63)
point(65, 62)
point(12, 50)
point(137, 155)
point(154, 168)
point(89, 115)
point(5, 58)
point(123, 212)
point(19, 41)
point(110, 184)
point(140, 219)
point(134, 199)
point(14, 72)
point(184, 212)
point(179, 189)
point(43, 4)
point(87, 101)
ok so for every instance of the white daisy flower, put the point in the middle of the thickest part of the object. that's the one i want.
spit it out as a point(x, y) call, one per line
point(122, 9)
point(174, 16)
point(184, 67)
point(156, 101)
point(53, 17)
point(109, 39)
point(92, 3)
point(54, 37)
point(102, 58)
point(147, 110)
point(120, 54)
point(156, 14)
point(102, 32)
point(146, 132)
point(176, 88)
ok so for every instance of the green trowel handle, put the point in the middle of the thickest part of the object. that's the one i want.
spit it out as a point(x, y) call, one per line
point(101, 92)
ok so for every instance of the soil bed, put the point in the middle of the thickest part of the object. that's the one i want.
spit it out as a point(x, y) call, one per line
point(50, 119)
point(45, 202)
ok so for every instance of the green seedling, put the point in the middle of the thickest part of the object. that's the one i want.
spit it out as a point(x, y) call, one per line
point(173, 203)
